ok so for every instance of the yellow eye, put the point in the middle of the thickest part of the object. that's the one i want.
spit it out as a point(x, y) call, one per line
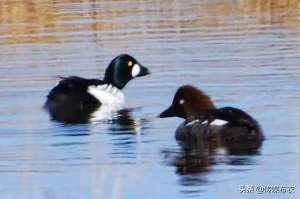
point(130, 63)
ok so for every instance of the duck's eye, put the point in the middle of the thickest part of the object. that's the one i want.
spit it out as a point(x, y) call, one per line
point(181, 101)
point(130, 63)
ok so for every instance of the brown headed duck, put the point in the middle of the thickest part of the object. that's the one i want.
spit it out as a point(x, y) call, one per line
point(231, 127)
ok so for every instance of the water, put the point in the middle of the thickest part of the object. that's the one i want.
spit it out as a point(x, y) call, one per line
point(242, 53)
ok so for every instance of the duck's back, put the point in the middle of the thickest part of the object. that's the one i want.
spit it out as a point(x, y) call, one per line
point(70, 98)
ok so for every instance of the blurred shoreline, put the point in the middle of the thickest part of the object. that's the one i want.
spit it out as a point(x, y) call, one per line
point(38, 21)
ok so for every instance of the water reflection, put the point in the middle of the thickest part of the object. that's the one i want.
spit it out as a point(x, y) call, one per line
point(199, 156)
point(121, 122)
point(126, 133)
point(127, 130)
point(193, 164)
point(193, 161)
point(71, 130)
point(124, 122)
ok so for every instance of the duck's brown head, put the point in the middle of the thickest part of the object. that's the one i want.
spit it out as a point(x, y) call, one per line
point(188, 102)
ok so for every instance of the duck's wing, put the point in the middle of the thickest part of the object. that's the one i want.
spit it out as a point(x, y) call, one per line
point(74, 89)
point(242, 134)
point(235, 116)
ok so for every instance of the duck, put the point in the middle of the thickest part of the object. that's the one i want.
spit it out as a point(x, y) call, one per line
point(78, 100)
point(226, 127)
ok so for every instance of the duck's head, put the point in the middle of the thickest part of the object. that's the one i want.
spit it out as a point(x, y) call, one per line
point(188, 102)
point(122, 69)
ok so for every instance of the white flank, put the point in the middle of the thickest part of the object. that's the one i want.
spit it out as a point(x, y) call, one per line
point(111, 98)
point(135, 70)
point(218, 122)
point(107, 94)
point(192, 122)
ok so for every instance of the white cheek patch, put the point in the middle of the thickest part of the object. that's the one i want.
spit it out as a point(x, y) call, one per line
point(218, 122)
point(135, 70)
point(181, 101)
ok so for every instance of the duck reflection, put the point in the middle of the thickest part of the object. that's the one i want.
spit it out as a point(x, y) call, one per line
point(193, 166)
point(124, 121)
point(120, 121)
point(193, 161)
point(125, 132)
point(200, 155)
point(71, 130)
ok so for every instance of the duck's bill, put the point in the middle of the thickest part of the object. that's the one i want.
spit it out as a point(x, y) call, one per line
point(169, 112)
point(143, 71)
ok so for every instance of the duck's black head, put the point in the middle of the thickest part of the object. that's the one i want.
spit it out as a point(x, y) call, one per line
point(187, 103)
point(122, 69)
